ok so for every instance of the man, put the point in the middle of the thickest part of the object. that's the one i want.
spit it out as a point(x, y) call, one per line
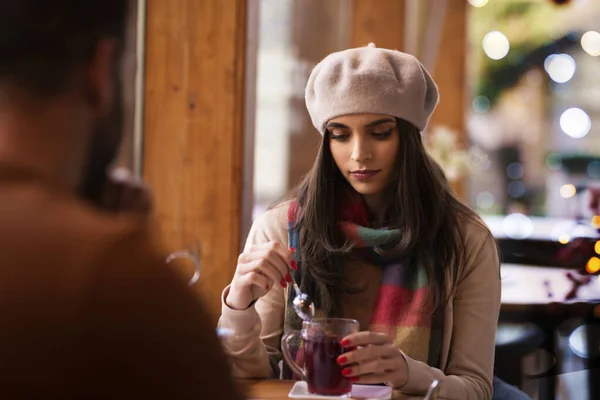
point(88, 309)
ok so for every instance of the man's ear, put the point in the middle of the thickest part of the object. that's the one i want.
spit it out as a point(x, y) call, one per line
point(102, 72)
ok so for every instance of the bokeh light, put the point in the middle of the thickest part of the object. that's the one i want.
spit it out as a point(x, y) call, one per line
point(575, 122)
point(495, 45)
point(478, 3)
point(517, 226)
point(514, 170)
point(560, 67)
point(590, 42)
point(593, 265)
point(485, 200)
point(568, 190)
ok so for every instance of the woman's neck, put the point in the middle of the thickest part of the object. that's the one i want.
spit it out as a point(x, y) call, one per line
point(374, 203)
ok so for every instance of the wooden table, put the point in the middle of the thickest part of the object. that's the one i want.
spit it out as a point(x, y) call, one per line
point(270, 389)
point(525, 285)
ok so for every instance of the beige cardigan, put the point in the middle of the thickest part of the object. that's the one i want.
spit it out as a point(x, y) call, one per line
point(470, 319)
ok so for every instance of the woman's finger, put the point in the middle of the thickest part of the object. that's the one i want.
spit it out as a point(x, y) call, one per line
point(371, 379)
point(365, 338)
point(262, 265)
point(378, 366)
point(274, 258)
point(275, 249)
point(257, 279)
point(363, 354)
point(264, 255)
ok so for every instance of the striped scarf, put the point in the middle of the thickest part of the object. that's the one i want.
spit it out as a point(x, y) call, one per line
point(402, 310)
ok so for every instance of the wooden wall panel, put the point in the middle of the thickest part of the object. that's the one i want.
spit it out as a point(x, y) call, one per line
point(193, 129)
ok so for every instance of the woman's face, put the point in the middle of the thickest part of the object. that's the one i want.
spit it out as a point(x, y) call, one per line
point(365, 147)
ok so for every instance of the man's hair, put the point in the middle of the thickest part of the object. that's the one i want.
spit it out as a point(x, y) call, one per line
point(43, 42)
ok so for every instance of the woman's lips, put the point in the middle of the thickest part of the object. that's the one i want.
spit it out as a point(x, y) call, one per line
point(365, 174)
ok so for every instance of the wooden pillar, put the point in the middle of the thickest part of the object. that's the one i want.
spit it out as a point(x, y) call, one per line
point(450, 75)
point(378, 21)
point(193, 130)
point(450, 68)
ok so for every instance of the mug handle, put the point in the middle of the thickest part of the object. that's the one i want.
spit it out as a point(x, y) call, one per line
point(285, 350)
point(190, 256)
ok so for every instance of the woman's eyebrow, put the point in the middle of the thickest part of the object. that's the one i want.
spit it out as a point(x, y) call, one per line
point(336, 125)
point(379, 122)
point(369, 125)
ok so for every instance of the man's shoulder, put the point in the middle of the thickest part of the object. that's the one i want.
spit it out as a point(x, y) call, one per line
point(46, 225)
point(59, 254)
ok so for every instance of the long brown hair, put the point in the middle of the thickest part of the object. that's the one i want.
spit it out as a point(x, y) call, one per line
point(421, 204)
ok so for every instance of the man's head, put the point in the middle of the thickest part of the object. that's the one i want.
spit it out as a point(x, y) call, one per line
point(49, 48)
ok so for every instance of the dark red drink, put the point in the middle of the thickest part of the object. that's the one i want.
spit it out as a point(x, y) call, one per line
point(323, 374)
point(321, 347)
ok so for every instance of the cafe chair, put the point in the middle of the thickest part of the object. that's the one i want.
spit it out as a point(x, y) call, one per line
point(513, 342)
point(578, 342)
point(504, 391)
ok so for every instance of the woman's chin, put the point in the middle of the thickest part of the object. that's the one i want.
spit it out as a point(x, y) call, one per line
point(367, 189)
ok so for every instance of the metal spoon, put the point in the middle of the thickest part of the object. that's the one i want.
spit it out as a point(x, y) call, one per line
point(433, 390)
point(303, 305)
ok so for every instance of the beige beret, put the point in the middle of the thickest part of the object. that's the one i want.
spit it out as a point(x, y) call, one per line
point(370, 80)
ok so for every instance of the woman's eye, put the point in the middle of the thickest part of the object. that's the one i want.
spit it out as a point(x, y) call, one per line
point(382, 135)
point(339, 137)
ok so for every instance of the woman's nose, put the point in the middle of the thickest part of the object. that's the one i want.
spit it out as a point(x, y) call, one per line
point(360, 151)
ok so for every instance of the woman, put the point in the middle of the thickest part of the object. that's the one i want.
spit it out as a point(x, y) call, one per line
point(374, 209)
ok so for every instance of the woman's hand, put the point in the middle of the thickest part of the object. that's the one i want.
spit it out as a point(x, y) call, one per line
point(375, 360)
point(258, 269)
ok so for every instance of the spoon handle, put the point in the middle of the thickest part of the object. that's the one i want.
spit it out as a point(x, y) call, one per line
point(294, 284)
point(433, 390)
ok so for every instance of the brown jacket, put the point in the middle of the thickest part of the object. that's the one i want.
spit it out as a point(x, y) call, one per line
point(88, 308)
point(470, 318)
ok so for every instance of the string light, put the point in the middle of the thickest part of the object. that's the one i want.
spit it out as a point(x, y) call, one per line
point(593, 265)
point(568, 191)
point(564, 238)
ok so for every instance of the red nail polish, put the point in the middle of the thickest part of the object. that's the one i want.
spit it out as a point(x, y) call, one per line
point(345, 343)
point(342, 360)
point(346, 371)
point(283, 284)
point(288, 278)
point(293, 250)
point(267, 286)
point(294, 265)
point(353, 378)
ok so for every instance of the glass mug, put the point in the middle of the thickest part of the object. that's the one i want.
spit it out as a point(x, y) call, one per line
point(320, 340)
point(193, 255)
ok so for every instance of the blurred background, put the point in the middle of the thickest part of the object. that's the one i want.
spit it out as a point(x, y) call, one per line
point(220, 131)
